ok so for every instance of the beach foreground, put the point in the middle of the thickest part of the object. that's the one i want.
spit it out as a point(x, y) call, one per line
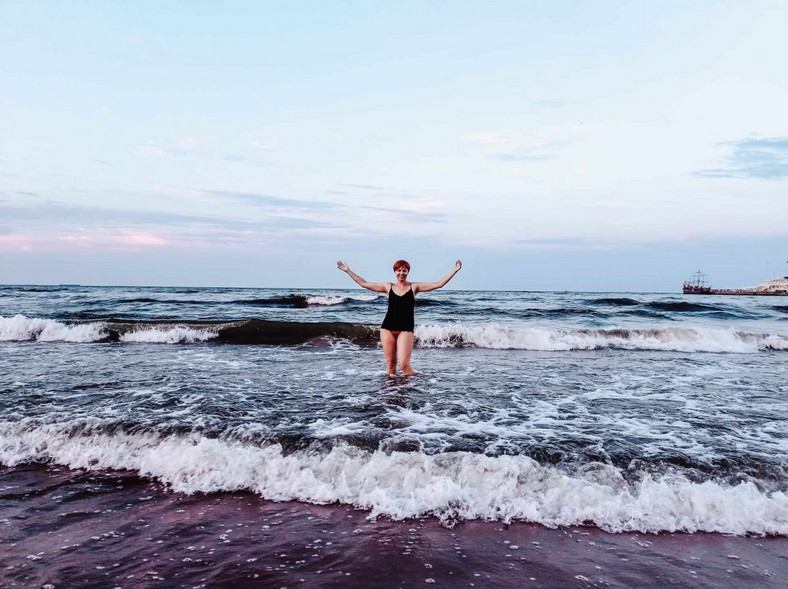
point(71, 528)
point(181, 437)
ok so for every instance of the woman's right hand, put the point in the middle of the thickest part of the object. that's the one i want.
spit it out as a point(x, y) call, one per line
point(343, 266)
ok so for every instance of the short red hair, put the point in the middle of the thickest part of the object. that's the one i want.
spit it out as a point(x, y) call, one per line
point(400, 263)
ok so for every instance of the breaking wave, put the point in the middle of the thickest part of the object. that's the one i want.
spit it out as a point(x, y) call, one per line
point(298, 301)
point(680, 339)
point(331, 300)
point(496, 336)
point(21, 328)
point(247, 331)
point(453, 486)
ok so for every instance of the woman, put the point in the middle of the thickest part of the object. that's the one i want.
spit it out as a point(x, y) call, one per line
point(396, 332)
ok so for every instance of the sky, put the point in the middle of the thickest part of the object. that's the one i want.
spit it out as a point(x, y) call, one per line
point(605, 146)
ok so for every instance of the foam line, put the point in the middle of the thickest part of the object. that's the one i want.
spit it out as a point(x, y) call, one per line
point(501, 336)
point(681, 339)
point(451, 486)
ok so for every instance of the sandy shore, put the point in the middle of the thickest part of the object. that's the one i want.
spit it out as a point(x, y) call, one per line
point(63, 528)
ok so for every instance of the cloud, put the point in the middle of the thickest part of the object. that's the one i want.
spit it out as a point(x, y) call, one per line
point(66, 216)
point(562, 244)
point(489, 138)
point(95, 233)
point(63, 214)
point(140, 238)
point(519, 157)
point(102, 239)
point(406, 216)
point(194, 148)
point(608, 204)
point(753, 158)
point(282, 222)
point(363, 186)
point(258, 199)
point(239, 159)
point(516, 147)
point(548, 104)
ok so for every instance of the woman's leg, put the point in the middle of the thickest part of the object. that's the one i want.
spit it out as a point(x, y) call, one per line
point(389, 350)
point(404, 348)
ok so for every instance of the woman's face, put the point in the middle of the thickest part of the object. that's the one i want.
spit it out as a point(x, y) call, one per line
point(401, 273)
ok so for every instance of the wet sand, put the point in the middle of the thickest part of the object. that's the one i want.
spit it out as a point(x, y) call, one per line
point(65, 528)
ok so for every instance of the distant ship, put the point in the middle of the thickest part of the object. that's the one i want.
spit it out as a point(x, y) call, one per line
point(697, 285)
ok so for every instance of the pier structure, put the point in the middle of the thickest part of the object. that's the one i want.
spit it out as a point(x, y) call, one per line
point(698, 285)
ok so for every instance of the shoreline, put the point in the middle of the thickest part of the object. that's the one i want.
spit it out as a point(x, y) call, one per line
point(96, 529)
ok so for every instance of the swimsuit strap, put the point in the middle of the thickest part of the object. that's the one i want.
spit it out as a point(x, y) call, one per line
point(391, 289)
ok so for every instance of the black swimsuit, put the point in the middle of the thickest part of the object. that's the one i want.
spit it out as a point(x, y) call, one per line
point(399, 316)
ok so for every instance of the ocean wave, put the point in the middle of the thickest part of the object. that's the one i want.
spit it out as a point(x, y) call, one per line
point(295, 301)
point(259, 331)
point(496, 336)
point(298, 301)
point(680, 339)
point(172, 301)
point(635, 312)
point(562, 312)
point(36, 288)
point(21, 328)
point(331, 300)
point(539, 312)
point(664, 309)
point(615, 301)
point(421, 302)
point(682, 306)
point(245, 331)
point(176, 334)
point(453, 486)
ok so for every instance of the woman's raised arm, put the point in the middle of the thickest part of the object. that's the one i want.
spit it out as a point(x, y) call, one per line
point(428, 286)
point(374, 286)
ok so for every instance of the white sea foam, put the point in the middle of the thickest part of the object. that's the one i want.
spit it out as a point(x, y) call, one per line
point(330, 300)
point(492, 336)
point(457, 485)
point(681, 339)
point(21, 328)
point(177, 334)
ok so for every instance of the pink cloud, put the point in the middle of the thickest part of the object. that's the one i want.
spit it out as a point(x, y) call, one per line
point(17, 242)
point(141, 238)
point(94, 239)
point(130, 240)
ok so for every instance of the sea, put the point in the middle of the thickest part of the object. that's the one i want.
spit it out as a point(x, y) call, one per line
point(241, 437)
